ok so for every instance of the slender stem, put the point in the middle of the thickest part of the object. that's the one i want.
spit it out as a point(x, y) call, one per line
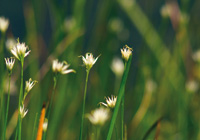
point(7, 108)
point(122, 118)
point(51, 101)
point(98, 129)
point(122, 114)
point(34, 127)
point(119, 98)
point(2, 100)
point(82, 119)
point(20, 101)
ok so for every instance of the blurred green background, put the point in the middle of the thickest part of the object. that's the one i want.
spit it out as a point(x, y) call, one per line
point(164, 76)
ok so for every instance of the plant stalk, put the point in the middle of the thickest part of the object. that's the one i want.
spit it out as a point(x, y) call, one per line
point(119, 98)
point(82, 119)
point(7, 108)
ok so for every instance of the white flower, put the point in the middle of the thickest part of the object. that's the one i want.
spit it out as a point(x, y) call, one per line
point(10, 43)
point(196, 56)
point(20, 51)
point(29, 85)
point(192, 86)
point(61, 67)
point(89, 60)
point(3, 24)
point(10, 63)
point(98, 116)
point(23, 111)
point(117, 66)
point(126, 52)
point(110, 101)
point(45, 125)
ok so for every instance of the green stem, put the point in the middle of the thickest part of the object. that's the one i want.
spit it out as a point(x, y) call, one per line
point(122, 118)
point(98, 129)
point(119, 98)
point(122, 114)
point(7, 108)
point(82, 119)
point(51, 101)
point(20, 101)
point(34, 127)
point(2, 100)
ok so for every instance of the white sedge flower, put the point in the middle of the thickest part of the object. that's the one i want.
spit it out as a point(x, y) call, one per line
point(10, 43)
point(10, 63)
point(23, 111)
point(89, 60)
point(196, 56)
point(3, 24)
point(20, 51)
point(61, 67)
point(126, 52)
point(110, 101)
point(98, 116)
point(29, 85)
point(45, 125)
point(117, 66)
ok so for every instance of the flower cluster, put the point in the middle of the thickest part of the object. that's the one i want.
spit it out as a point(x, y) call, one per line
point(29, 85)
point(10, 63)
point(23, 111)
point(61, 67)
point(110, 102)
point(20, 51)
point(126, 52)
point(89, 60)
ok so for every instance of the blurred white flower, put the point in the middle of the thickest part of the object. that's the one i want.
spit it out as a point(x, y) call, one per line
point(192, 86)
point(196, 56)
point(61, 67)
point(110, 101)
point(126, 52)
point(23, 111)
point(3, 24)
point(150, 85)
point(29, 85)
point(117, 66)
point(10, 63)
point(45, 125)
point(89, 60)
point(165, 10)
point(69, 23)
point(10, 43)
point(20, 51)
point(98, 116)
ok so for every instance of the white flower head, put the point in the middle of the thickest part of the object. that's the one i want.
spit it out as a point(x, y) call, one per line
point(23, 111)
point(29, 85)
point(10, 43)
point(99, 116)
point(61, 67)
point(110, 102)
point(3, 24)
point(20, 51)
point(192, 86)
point(45, 125)
point(89, 60)
point(117, 66)
point(196, 56)
point(126, 52)
point(10, 63)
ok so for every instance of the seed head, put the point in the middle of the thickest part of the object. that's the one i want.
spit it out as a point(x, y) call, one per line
point(126, 52)
point(98, 116)
point(61, 67)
